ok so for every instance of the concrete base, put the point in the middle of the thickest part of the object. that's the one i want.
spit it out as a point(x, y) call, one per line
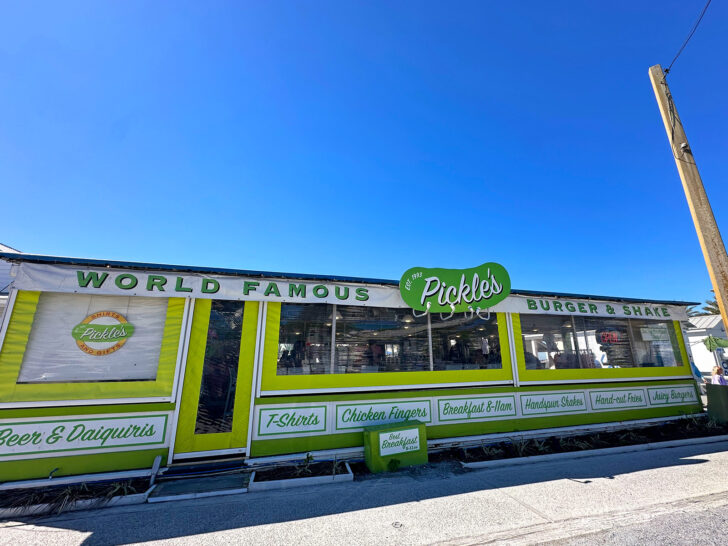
point(197, 488)
point(514, 461)
point(300, 482)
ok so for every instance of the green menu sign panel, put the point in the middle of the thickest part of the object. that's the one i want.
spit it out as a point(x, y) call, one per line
point(455, 290)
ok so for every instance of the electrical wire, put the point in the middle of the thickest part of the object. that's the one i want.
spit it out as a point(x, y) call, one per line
point(690, 35)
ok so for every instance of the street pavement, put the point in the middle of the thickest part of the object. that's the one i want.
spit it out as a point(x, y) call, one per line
point(666, 496)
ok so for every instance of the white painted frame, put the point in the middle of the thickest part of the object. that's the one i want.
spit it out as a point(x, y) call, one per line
point(422, 386)
point(257, 371)
point(189, 314)
point(6, 315)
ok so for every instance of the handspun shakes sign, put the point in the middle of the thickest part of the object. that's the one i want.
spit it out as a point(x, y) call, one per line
point(457, 290)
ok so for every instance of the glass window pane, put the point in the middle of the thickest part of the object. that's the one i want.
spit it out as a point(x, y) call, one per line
point(381, 339)
point(461, 343)
point(220, 368)
point(304, 342)
point(604, 342)
point(549, 342)
point(378, 339)
point(655, 344)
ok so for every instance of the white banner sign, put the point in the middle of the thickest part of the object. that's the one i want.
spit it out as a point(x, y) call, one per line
point(60, 278)
point(474, 408)
point(287, 420)
point(664, 396)
point(400, 441)
point(617, 399)
point(338, 417)
point(560, 402)
point(591, 308)
point(28, 438)
point(63, 278)
point(356, 416)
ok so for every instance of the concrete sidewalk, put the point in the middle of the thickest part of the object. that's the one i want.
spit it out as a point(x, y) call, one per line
point(536, 503)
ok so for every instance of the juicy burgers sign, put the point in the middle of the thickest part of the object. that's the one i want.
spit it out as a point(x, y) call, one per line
point(455, 290)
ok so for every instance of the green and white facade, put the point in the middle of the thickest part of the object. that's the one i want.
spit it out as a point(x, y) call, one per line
point(105, 365)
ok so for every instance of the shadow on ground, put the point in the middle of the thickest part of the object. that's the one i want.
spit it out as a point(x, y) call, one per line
point(185, 518)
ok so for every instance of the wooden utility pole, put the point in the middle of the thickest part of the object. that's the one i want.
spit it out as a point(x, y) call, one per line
point(708, 233)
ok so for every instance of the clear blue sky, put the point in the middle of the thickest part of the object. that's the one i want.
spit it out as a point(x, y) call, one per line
point(363, 138)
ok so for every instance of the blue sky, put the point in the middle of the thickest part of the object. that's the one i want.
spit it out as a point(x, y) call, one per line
point(364, 138)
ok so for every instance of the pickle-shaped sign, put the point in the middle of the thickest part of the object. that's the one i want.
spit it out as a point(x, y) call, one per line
point(458, 289)
point(102, 333)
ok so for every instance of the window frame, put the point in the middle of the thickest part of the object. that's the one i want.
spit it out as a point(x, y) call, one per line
point(596, 375)
point(14, 394)
point(272, 383)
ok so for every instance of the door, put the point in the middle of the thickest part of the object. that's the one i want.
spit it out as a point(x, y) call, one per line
point(217, 386)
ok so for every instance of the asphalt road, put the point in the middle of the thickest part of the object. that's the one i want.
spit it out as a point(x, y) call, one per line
point(668, 496)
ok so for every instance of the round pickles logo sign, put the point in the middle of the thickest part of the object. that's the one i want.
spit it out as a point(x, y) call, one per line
point(455, 290)
point(102, 333)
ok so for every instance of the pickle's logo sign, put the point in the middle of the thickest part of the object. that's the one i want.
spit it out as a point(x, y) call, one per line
point(102, 333)
point(455, 290)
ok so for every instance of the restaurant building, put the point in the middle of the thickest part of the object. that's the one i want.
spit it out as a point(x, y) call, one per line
point(105, 366)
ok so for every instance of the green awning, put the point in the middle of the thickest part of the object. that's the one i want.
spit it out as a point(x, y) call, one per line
point(712, 343)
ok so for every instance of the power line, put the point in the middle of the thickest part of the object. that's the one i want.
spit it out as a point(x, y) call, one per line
point(690, 35)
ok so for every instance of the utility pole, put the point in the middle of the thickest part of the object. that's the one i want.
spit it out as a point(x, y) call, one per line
point(708, 233)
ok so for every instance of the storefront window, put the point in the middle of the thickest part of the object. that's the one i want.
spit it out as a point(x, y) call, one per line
point(604, 342)
point(655, 344)
point(379, 339)
point(566, 342)
point(304, 342)
point(549, 342)
point(462, 343)
point(220, 368)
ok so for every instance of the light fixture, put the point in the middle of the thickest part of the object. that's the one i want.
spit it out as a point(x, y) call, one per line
point(408, 318)
point(298, 333)
point(328, 324)
point(406, 327)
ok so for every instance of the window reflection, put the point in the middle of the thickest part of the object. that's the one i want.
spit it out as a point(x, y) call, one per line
point(564, 342)
point(220, 368)
point(379, 339)
point(463, 343)
point(655, 344)
point(549, 342)
point(304, 343)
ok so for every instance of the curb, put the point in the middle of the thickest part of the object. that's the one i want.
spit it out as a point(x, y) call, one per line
point(202, 495)
point(514, 461)
point(300, 482)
